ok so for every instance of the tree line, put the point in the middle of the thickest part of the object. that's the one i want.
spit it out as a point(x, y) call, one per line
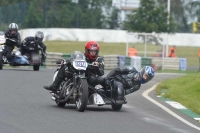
point(151, 16)
point(60, 13)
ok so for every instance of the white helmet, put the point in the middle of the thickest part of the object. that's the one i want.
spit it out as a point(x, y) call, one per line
point(13, 28)
point(39, 36)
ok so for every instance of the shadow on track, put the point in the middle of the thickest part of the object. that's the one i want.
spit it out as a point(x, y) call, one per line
point(90, 108)
point(17, 69)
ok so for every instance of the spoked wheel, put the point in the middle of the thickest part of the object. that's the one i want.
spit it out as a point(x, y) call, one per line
point(1, 61)
point(116, 107)
point(82, 95)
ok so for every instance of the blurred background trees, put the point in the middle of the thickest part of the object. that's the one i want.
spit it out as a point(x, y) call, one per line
point(150, 16)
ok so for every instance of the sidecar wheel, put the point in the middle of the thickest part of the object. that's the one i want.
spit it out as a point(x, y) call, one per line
point(82, 99)
point(59, 104)
point(116, 107)
point(36, 67)
point(1, 61)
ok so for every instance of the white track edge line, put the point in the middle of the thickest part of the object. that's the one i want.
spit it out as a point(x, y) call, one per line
point(145, 94)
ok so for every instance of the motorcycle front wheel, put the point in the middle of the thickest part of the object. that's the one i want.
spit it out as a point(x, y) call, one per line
point(82, 95)
point(1, 61)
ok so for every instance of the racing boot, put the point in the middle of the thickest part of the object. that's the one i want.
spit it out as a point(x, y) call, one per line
point(58, 80)
point(107, 84)
point(119, 93)
point(107, 87)
point(55, 84)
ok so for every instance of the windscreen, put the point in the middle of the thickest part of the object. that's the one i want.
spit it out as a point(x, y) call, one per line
point(77, 55)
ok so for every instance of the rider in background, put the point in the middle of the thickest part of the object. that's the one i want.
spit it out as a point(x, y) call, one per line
point(12, 39)
point(31, 44)
point(130, 78)
point(93, 72)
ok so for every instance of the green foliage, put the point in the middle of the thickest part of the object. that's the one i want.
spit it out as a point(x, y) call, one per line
point(34, 17)
point(13, 13)
point(114, 21)
point(60, 13)
point(149, 18)
point(177, 12)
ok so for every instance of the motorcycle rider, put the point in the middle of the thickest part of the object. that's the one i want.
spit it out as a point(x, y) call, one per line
point(130, 78)
point(93, 72)
point(12, 39)
point(31, 44)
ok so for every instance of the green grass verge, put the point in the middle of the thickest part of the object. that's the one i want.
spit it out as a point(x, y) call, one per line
point(178, 71)
point(185, 90)
point(190, 53)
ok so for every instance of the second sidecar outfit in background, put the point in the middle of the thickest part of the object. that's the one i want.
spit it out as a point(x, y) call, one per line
point(31, 44)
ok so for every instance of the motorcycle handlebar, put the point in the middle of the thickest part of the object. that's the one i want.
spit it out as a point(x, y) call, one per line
point(11, 39)
point(93, 64)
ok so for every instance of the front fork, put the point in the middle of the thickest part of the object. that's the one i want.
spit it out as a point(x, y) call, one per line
point(75, 77)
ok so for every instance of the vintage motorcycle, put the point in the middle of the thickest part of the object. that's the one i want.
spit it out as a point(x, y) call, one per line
point(74, 89)
point(30, 59)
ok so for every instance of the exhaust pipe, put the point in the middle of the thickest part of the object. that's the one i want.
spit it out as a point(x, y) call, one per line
point(53, 94)
point(53, 98)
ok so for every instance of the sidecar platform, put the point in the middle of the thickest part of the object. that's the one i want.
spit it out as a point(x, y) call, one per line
point(100, 98)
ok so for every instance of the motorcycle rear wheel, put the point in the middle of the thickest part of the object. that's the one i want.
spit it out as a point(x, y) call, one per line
point(82, 92)
point(36, 67)
point(116, 107)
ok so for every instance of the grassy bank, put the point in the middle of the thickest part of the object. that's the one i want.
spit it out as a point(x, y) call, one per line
point(178, 71)
point(185, 90)
point(190, 53)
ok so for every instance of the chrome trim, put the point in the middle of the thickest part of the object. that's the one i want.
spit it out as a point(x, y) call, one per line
point(96, 99)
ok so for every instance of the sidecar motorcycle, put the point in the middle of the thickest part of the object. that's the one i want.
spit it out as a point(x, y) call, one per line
point(76, 90)
point(31, 59)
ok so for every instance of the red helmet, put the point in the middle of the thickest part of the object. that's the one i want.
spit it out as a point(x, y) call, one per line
point(89, 47)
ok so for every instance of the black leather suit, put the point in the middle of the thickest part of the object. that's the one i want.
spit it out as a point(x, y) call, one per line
point(127, 77)
point(30, 42)
point(9, 45)
point(93, 73)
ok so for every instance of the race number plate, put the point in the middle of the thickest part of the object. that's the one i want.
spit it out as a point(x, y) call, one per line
point(80, 63)
point(2, 39)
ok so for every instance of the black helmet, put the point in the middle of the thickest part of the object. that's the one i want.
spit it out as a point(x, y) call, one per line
point(146, 74)
point(39, 36)
point(13, 28)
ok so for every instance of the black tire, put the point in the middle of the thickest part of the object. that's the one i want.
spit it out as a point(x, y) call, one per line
point(36, 67)
point(116, 107)
point(1, 61)
point(60, 104)
point(82, 99)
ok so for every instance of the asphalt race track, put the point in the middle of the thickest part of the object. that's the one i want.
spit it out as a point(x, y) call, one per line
point(25, 107)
